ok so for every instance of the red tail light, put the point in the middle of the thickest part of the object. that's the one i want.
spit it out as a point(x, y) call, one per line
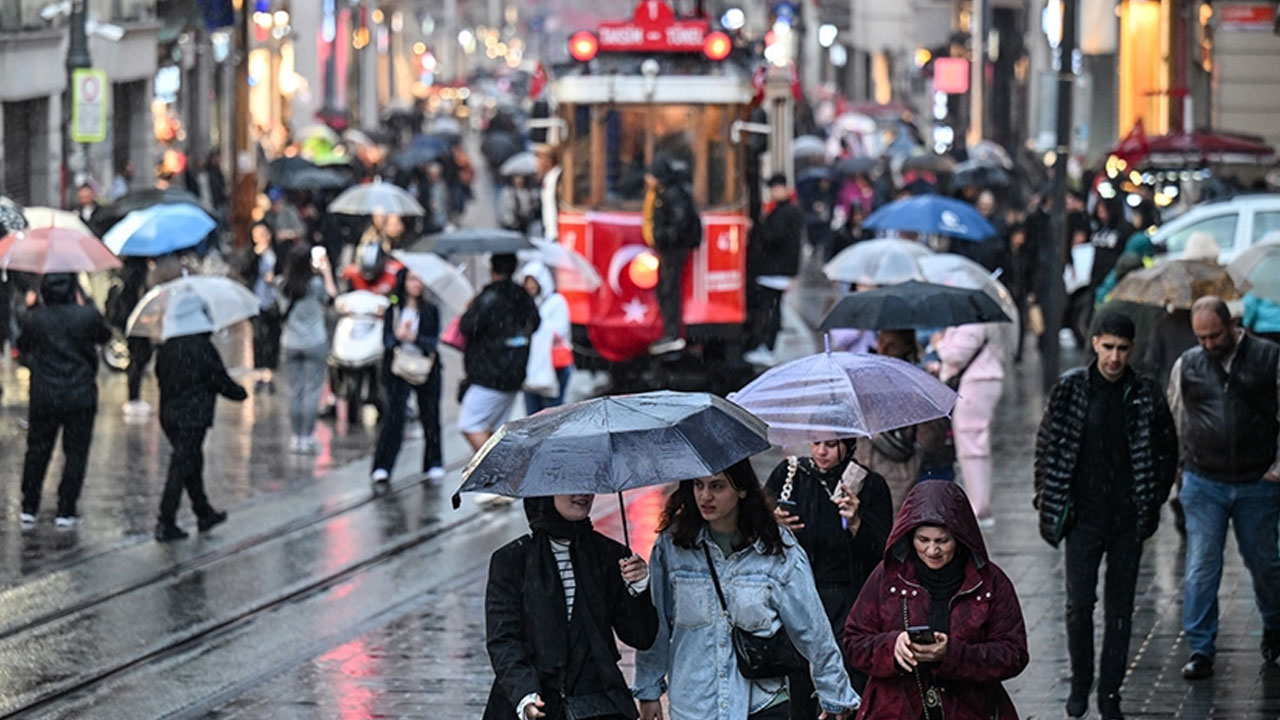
point(717, 46)
point(583, 46)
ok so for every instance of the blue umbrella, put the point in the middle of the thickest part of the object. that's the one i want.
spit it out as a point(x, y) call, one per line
point(159, 230)
point(931, 215)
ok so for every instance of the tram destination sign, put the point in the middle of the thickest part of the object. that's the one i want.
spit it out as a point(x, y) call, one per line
point(653, 28)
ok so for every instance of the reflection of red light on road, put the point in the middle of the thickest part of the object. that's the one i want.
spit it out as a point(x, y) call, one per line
point(353, 698)
point(338, 545)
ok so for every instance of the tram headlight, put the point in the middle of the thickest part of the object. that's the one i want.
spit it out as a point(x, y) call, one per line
point(716, 46)
point(583, 46)
point(642, 271)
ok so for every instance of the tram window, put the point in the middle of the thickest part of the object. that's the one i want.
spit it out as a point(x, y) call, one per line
point(579, 154)
point(625, 131)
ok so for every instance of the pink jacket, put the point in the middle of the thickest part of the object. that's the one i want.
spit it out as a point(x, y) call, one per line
point(958, 345)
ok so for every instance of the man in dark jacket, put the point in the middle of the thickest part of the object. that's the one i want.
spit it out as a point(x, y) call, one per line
point(1223, 395)
point(671, 226)
point(773, 257)
point(1100, 488)
point(191, 376)
point(58, 342)
point(497, 327)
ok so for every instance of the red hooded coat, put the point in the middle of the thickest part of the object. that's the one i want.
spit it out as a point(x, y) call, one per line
point(987, 640)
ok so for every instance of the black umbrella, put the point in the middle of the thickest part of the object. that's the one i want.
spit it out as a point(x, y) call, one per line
point(816, 173)
point(975, 174)
point(280, 172)
point(856, 166)
point(315, 178)
point(615, 443)
point(498, 146)
point(473, 240)
point(108, 216)
point(417, 155)
point(913, 305)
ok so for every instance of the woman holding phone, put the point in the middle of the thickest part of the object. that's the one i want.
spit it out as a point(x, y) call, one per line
point(841, 514)
point(305, 291)
point(937, 626)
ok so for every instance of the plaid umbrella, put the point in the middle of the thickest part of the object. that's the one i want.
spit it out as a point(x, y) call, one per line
point(11, 217)
point(1176, 284)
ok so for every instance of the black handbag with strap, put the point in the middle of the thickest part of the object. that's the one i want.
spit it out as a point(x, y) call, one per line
point(758, 657)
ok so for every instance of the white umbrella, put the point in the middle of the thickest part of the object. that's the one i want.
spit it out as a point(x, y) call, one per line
point(444, 280)
point(522, 163)
point(808, 146)
point(878, 262)
point(573, 271)
point(376, 197)
point(38, 217)
point(446, 126)
point(226, 303)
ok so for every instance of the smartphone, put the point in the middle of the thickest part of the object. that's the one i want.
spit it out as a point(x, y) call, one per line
point(789, 506)
point(317, 255)
point(921, 635)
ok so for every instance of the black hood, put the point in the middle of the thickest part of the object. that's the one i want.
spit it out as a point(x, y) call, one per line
point(58, 289)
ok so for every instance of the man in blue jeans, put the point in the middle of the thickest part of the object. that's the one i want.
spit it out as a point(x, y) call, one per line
point(1223, 395)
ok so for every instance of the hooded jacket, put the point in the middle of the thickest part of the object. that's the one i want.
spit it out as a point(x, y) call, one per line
point(498, 326)
point(987, 639)
point(58, 341)
point(191, 376)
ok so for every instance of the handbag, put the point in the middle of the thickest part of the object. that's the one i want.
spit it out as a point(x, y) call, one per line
point(896, 445)
point(953, 382)
point(452, 335)
point(410, 366)
point(759, 657)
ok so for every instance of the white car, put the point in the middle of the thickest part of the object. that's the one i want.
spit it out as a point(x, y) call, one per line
point(1235, 224)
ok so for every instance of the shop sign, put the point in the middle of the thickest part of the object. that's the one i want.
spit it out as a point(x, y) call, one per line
point(951, 75)
point(89, 105)
point(653, 28)
point(1248, 17)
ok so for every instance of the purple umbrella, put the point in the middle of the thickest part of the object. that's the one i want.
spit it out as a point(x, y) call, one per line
point(837, 395)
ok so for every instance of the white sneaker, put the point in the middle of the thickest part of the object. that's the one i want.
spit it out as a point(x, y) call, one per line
point(137, 409)
point(379, 476)
point(760, 356)
point(435, 474)
point(308, 444)
point(68, 522)
point(295, 445)
point(489, 501)
point(28, 520)
point(667, 345)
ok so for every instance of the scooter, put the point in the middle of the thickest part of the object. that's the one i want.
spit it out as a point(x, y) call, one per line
point(356, 351)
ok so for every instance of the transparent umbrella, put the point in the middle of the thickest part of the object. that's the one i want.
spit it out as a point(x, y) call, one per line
point(878, 262)
point(1257, 270)
point(441, 278)
point(573, 271)
point(227, 302)
point(376, 197)
point(38, 217)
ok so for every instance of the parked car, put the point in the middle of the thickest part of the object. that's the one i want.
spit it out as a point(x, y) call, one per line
point(1235, 224)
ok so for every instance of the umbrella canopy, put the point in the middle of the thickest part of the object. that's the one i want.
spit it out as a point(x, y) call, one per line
point(615, 443)
point(522, 163)
point(319, 131)
point(54, 250)
point(149, 197)
point(444, 125)
point(163, 313)
point(856, 166)
point(474, 240)
point(987, 152)
point(573, 271)
point(913, 305)
point(1257, 271)
point(314, 178)
point(1176, 284)
point(376, 197)
point(810, 146)
point(498, 146)
point(931, 215)
point(11, 217)
point(159, 231)
point(829, 396)
point(976, 174)
point(442, 279)
point(417, 155)
point(52, 217)
point(959, 271)
point(280, 171)
point(887, 261)
point(815, 174)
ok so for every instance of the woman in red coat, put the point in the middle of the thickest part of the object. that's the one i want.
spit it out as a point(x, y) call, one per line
point(936, 574)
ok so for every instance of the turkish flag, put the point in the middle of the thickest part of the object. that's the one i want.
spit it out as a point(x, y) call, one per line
point(538, 82)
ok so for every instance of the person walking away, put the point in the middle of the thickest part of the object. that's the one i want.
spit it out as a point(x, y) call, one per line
point(719, 544)
point(896, 455)
point(497, 327)
point(1223, 398)
point(411, 325)
point(548, 164)
point(937, 581)
point(841, 514)
point(517, 205)
point(554, 600)
point(191, 377)
point(971, 364)
point(307, 289)
point(773, 258)
point(550, 354)
point(1106, 455)
point(1019, 277)
point(1108, 238)
point(58, 341)
point(120, 304)
point(671, 226)
point(266, 324)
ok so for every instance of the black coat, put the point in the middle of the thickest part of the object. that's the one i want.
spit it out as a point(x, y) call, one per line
point(523, 633)
point(676, 223)
point(58, 342)
point(191, 377)
point(775, 248)
point(498, 326)
point(1153, 450)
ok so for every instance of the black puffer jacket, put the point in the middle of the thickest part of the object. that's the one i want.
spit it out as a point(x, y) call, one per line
point(58, 341)
point(1153, 450)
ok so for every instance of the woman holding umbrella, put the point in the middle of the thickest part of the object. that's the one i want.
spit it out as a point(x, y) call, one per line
point(721, 547)
point(841, 515)
point(554, 600)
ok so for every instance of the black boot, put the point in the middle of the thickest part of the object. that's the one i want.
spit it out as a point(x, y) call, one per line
point(1109, 707)
point(215, 517)
point(167, 532)
point(1078, 702)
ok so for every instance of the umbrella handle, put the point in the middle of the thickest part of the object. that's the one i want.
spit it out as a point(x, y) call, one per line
point(622, 508)
point(826, 341)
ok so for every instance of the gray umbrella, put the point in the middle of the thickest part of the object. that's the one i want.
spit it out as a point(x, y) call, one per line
point(11, 217)
point(615, 443)
point(473, 240)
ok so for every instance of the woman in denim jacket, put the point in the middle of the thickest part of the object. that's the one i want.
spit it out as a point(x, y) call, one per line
point(767, 584)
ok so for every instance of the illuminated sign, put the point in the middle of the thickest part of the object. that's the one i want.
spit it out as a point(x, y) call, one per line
point(653, 28)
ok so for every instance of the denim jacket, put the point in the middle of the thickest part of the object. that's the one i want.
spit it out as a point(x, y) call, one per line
point(692, 658)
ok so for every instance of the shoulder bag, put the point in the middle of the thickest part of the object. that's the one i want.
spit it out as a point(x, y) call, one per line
point(759, 657)
point(411, 365)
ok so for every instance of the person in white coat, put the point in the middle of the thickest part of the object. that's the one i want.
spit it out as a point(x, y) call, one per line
point(974, 353)
point(550, 354)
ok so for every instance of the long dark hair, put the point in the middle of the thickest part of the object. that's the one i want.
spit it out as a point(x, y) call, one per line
point(755, 512)
point(297, 271)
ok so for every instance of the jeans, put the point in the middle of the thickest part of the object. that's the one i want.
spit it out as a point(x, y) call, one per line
point(533, 402)
point(186, 471)
point(781, 711)
point(1254, 509)
point(391, 435)
point(77, 432)
point(305, 370)
point(670, 291)
point(1085, 548)
point(140, 351)
point(765, 314)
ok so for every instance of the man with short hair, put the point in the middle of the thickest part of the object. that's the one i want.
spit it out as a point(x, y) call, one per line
point(1223, 394)
point(773, 258)
point(1106, 455)
point(670, 224)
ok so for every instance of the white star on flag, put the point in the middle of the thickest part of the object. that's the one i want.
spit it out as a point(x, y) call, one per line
point(635, 311)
